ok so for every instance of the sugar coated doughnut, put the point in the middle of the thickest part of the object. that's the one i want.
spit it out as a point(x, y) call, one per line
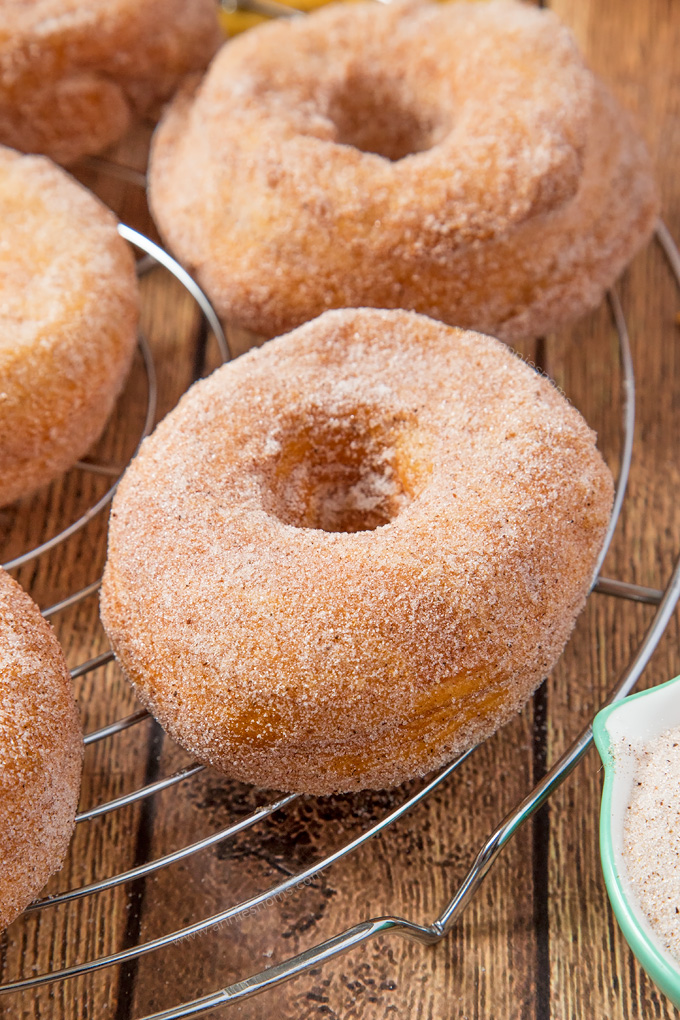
point(41, 750)
point(456, 159)
point(74, 72)
point(68, 316)
point(354, 552)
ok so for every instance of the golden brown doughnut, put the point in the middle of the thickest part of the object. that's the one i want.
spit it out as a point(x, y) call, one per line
point(354, 552)
point(41, 751)
point(456, 159)
point(74, 72)
point(68, 318)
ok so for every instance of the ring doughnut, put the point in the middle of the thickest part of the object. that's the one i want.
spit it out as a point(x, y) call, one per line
point(352, 553)
point(74, 72)
point(455, 159)
point(68, 319)
point(41, 748)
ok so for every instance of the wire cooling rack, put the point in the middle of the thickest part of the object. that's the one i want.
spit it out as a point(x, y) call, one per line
point(664, 600)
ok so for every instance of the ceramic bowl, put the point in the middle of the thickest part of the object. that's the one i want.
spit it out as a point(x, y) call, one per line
point(619, 731)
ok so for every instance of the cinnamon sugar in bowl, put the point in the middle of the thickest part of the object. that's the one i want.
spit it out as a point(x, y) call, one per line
point(639, 743)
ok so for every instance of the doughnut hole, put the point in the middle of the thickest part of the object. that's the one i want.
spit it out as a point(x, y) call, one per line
point(345, 474)
point(371, 114)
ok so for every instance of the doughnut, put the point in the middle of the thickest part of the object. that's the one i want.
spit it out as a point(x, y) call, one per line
point(454, 159)
point(68, 319)
point(41, 750)
point(73, 73)
point(354, 552)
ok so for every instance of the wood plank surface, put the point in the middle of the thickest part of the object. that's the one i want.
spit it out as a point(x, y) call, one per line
point(539, 940)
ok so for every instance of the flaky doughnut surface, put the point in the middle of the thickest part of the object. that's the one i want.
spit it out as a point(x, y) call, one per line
point(68, 319)
point(41, 750)
point(74, 72)
point(353, 552)
point(457, 159)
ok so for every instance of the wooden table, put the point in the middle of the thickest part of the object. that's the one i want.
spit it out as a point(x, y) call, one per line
point(539, 939)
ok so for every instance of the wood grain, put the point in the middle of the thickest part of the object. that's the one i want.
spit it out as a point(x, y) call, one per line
point(539, 940)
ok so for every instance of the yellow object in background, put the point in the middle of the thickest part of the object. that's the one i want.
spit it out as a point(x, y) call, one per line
point(235, 20)
point(238, 15)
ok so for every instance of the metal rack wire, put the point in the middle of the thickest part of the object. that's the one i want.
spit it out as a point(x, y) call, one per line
point(359, 933)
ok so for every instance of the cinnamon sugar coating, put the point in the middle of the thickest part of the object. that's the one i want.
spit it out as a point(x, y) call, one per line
point(68, 320)
point(41, 750)
point(352, 553)
point(73, 73)
point(456, 159)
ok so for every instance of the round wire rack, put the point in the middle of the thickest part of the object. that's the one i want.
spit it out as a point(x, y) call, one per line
point(61, 970)
point(664, 600)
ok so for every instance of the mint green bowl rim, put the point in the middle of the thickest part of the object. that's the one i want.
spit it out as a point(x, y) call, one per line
point(657, 963)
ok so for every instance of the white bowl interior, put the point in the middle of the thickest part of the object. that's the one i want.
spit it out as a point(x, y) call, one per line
point(632, 726)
